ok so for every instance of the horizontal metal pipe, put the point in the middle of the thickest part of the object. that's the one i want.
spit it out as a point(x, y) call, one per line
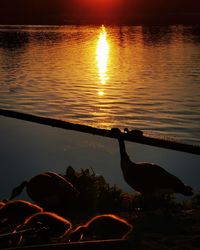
point(133, 137)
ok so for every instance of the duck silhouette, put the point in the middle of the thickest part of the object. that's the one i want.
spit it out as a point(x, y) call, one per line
point(47, 227)
point(13, 213)
point(147, 178)
point(102, 227)
point(49, 190)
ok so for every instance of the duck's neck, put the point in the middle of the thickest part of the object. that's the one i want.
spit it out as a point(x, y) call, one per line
point(122, 148)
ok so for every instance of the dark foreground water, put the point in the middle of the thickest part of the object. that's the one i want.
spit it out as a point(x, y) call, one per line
point(27, 149)
point(137, 77)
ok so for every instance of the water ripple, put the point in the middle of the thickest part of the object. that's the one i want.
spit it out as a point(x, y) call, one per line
point(151, 77)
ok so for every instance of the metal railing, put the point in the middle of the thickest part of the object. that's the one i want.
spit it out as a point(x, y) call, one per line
point(133, 137)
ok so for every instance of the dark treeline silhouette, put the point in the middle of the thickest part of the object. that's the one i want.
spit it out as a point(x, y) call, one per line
point(98, 11)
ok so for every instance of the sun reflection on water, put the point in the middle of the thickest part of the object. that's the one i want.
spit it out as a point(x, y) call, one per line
point(102, 53)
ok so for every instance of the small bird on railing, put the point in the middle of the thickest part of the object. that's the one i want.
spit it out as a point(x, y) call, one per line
point(147, 178)
point(102, 227)
point(49, 190)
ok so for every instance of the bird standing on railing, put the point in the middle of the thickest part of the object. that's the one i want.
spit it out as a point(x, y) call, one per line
point(147, 178)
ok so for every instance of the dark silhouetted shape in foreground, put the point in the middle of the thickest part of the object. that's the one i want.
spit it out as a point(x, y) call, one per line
point(49, 190)
point(147, 178)
point(102, 227)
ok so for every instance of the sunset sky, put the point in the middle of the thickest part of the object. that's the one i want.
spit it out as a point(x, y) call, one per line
point(114, 11)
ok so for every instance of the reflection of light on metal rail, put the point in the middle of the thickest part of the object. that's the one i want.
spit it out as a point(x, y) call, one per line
point(102, 56)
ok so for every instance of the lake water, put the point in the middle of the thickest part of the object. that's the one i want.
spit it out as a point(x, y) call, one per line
point(137, 77)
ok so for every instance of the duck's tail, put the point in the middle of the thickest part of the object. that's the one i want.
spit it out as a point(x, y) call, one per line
point(17, 190)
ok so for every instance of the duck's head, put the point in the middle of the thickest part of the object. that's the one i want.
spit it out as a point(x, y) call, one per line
point(116, 132)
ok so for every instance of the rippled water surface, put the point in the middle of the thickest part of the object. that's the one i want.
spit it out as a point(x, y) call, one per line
point(137, 77)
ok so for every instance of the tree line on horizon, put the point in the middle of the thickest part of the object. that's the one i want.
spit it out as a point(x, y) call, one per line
point(64, 11)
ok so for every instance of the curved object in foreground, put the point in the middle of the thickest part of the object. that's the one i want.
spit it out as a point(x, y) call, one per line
point(102, 227)
point(49, 190)
point(2, 204)
point(47, 228)
point(13, 213)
